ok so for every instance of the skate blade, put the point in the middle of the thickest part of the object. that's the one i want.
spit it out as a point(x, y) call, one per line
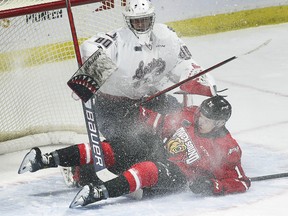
point(80, 197)
point(26, 163)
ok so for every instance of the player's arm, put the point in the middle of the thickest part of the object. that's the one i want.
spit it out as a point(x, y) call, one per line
point(233, 179)
point(229, 177)
point(213, 186)
point(237, 183)
point(165, 125)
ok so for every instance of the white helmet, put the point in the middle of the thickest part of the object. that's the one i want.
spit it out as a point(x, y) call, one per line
point(139, 16)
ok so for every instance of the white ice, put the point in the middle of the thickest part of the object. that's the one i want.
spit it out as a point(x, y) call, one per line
point(258, 90)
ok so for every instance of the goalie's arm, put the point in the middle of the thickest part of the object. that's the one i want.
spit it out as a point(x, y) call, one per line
point(105, 41)
point(99, 56)
point(187, 67)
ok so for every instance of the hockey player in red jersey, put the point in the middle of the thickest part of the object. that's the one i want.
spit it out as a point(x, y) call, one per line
point(197, 150)
point(202, 147)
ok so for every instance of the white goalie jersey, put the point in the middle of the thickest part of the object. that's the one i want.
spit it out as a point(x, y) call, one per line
point(142, 70)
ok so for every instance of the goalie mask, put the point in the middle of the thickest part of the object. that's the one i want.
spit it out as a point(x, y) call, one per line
point(139, 16)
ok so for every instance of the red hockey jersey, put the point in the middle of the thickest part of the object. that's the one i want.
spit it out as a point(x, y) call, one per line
point(216, 155)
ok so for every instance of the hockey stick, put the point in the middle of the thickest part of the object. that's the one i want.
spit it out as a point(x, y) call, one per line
point(267, 177)
point(204, 72)
point(84, 75)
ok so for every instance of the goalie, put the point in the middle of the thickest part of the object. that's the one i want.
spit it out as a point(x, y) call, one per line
point(197, 151)
point(148, 58)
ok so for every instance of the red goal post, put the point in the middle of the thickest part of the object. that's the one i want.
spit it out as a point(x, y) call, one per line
point(37, 58)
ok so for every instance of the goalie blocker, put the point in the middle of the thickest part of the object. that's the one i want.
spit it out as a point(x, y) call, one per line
point(91, 75)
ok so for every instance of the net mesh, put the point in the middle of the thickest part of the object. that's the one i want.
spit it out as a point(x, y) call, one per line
point(37, 59)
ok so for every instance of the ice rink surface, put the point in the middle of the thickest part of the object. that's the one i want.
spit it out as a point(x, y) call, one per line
point(258, 91)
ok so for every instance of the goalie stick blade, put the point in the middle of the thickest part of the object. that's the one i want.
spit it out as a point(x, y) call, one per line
point(92, 75)
point(26, 162)
point(105, 175)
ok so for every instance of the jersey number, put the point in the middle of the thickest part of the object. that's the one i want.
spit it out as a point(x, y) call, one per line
point(104, 41)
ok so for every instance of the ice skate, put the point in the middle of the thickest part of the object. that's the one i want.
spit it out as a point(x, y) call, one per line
point(89, 194)
point(34, 160)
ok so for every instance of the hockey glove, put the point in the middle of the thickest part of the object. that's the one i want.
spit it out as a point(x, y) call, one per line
point(205, 186)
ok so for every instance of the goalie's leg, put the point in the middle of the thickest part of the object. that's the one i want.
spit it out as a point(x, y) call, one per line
point(79, 176)
point(70, 175)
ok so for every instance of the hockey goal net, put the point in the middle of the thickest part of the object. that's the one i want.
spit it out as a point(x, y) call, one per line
point(37, 58)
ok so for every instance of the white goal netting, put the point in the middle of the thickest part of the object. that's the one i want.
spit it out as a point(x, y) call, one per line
point(37, 58)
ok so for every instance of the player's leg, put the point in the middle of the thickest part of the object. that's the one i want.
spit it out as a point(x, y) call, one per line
point(147, 174)
point(74, 155)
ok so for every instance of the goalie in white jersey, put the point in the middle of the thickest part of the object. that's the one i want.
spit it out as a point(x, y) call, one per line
point(149, 58)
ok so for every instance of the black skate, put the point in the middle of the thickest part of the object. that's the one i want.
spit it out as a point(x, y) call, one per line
point(34, 160)
point(89, 194)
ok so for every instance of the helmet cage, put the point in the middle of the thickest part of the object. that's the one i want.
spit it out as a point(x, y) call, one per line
point(145, 23)
point(140, 17)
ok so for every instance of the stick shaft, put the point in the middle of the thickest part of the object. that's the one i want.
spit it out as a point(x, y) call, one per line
point(190, 78)
point(89, 113)
point(267, 177)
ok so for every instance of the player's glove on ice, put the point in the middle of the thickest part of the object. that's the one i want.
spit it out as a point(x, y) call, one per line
point(206, 186)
